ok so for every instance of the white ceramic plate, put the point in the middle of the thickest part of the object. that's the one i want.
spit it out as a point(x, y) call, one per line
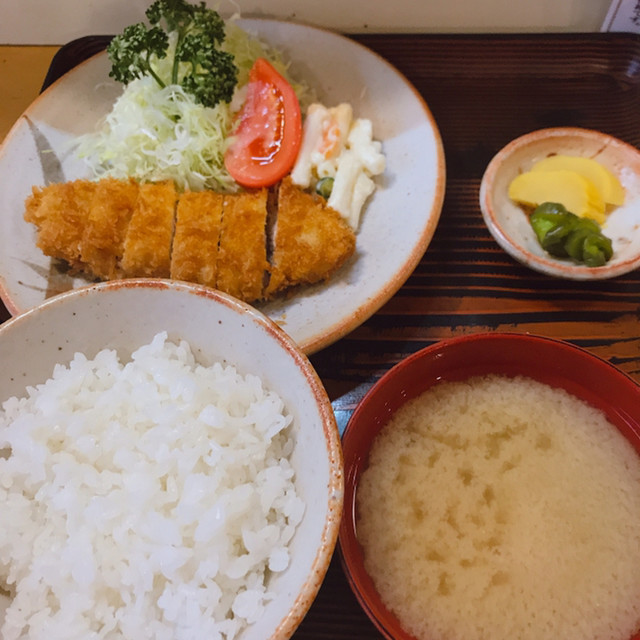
point(396, 227)
point(510, 226)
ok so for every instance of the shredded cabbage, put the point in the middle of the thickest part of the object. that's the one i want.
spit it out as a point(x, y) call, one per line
point(247, 47)
point(154, 134)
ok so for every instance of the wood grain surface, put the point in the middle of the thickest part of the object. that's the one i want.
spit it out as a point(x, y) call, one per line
point(483, 91)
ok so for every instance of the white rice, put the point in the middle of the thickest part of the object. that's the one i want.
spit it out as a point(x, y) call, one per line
point(148, 499)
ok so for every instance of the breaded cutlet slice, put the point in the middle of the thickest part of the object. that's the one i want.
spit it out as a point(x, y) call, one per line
point(195, 241)
point(310, 242)
point(32, 211)
point(103, 241)
point(60, 212)
point(147, 245)
point(242, 254)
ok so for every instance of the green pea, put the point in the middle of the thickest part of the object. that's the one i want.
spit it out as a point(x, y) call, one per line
point(324, 187)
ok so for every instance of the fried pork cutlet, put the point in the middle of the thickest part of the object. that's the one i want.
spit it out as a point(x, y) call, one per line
point(252, 245)
point(310, 241)
point(242, 255)
point(108, 219)
point(147, 245)
point(33, 211)
point(59, 211)
point(195, 243)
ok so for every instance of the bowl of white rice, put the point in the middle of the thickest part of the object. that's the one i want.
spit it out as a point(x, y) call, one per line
point(493, 493)
point(170, 468)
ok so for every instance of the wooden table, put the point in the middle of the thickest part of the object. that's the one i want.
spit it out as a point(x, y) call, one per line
point(22, 71)
point(483, 92)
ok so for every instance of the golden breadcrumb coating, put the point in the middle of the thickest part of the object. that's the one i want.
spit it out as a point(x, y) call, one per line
point(252, 245)
point(311, 240)
point(61, 218)
point(195, 243)
point(147, 246)
point(109, 215)
point(242, 257)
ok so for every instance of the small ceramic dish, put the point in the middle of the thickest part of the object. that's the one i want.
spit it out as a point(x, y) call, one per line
point(509, 224)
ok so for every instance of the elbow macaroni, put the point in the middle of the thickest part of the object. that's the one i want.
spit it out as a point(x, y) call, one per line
point(336, 145)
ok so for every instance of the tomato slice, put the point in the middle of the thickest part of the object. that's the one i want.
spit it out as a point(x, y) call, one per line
point(269, 130)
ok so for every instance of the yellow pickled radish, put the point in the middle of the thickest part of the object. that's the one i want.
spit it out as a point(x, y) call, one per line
point(569, 188)
point(604, 180)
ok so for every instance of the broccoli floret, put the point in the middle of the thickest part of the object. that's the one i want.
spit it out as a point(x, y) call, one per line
point(206, 72)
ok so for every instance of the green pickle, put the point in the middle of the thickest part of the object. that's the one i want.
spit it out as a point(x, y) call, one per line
point(563, 234)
